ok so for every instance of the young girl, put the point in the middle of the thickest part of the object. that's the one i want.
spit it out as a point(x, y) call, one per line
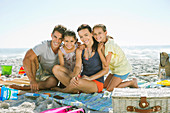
point(114, 58)
point(67, 57)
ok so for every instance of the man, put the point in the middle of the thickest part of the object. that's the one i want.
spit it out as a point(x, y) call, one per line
point(39, 61)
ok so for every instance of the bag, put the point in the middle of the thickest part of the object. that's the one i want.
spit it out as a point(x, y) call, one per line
point(65, 109)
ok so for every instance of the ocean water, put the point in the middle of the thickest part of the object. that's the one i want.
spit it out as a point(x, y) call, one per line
point(137, 52)
point(12, 53)
point(145, 52)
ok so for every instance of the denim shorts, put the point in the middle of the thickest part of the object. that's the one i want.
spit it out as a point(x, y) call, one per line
point(123, 77)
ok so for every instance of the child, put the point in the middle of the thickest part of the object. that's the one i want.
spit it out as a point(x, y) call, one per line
point(112, 55)
point(67, 57)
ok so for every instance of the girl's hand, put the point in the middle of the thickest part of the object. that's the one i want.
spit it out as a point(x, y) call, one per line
point(81, 47)
point(100, 46)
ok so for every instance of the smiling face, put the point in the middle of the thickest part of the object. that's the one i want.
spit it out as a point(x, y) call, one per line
point(56, 39)
point(99, 34)
point(85, 36)
point(69, 42)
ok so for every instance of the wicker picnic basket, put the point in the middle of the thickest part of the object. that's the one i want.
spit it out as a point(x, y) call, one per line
point(131, 100)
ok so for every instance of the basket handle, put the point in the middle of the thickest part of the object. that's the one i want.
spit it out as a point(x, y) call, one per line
point(143, 102)
point(153, 109)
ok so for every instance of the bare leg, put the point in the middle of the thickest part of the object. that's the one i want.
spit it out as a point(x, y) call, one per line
point(116, 82)
point(69, 89)
point(83, 85)
point(25, 87)
point(108, 79)
point(49, 83)
point(62, 74)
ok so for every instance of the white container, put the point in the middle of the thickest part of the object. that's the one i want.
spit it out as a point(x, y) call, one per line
point(132, 100)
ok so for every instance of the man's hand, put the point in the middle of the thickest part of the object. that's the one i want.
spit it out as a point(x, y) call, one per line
point(34, 86)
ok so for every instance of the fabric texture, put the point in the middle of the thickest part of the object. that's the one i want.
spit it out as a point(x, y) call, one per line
point(92, 66)
point(123, 77)
point(47, 58)
point(95, 101)
point(119, 63)
point(69, 58)
point(100, 85)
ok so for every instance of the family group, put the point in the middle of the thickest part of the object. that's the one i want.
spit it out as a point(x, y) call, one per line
point(64, 64)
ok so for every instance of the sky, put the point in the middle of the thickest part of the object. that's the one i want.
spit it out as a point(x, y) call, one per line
point(26, 23)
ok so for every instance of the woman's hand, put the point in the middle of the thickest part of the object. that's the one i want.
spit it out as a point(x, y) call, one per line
point(74, 81)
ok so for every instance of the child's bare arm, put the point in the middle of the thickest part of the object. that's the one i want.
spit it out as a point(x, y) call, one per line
point(105, 60)
point(61, 57)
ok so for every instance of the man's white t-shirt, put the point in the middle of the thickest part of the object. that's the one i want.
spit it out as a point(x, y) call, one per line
point(47, 58)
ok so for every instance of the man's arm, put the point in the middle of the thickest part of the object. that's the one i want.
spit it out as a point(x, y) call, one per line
point(30, 67)
point(77, 68)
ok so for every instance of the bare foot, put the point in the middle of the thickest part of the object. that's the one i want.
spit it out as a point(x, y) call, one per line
point(135, 83)
point(56, 89)
point(14, 86)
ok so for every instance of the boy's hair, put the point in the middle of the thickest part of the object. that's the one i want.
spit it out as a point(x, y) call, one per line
point(100, 26)
point(84, 26)
point(70, 33)
point(60, 28)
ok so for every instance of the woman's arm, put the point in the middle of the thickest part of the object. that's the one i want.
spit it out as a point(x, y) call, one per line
point(101, 73)
point(61, 57)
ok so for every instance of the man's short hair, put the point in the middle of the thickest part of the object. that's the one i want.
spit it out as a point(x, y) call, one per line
point(60, 28)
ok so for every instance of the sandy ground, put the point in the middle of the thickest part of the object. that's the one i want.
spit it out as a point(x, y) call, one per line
point(36, 105)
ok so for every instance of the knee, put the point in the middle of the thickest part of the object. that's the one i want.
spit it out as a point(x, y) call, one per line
point(80, 83)
point(110, 89)
point(56, 68)
point(51, 82)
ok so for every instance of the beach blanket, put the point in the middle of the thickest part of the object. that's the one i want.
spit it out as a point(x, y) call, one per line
point(96, 101)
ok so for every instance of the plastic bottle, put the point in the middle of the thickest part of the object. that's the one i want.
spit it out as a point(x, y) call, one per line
point(8, 94)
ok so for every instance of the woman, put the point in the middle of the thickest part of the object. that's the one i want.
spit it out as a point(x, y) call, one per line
point(112, 55)
point(92, 76)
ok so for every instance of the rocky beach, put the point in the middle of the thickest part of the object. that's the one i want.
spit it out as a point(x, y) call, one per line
point(139, 67)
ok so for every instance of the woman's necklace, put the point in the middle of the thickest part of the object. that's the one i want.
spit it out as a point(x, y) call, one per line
point(89, 53)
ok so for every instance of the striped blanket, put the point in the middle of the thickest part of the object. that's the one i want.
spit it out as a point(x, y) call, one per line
point(95, 101)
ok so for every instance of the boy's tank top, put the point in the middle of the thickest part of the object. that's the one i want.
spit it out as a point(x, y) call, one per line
point(92, 66)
